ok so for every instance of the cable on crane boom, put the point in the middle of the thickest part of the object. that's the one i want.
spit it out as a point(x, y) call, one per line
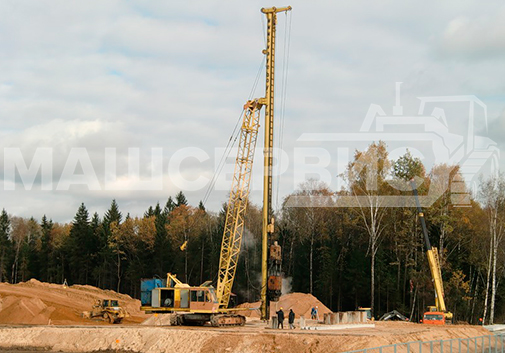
point(233, 139)
point(284, 83)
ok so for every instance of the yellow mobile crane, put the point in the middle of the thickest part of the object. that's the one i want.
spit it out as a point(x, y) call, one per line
point(198, 305)
point(438, 314)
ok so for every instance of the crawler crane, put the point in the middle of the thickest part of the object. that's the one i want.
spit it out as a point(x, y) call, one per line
point(202, 304)
point(438, 314)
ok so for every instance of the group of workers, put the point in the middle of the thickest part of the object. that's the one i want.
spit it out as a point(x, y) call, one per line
point(291, 317)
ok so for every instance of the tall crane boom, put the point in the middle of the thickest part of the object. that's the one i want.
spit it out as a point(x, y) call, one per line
point(237, 203)
point(433, 261)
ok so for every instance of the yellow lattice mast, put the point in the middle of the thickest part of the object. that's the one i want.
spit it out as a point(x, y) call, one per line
point(237, 203)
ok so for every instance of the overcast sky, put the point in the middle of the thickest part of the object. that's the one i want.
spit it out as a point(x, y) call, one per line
point(103, 86)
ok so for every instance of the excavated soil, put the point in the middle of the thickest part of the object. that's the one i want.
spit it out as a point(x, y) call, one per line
point(301, 303)
point(41, 316)
point(38, 303)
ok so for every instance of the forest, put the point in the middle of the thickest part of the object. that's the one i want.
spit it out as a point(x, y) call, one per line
point(364, 253)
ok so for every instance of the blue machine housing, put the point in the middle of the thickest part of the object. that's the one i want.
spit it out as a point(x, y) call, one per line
point(146, 287)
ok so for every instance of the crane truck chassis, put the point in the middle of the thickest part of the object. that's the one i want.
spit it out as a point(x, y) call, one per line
point(186, 305)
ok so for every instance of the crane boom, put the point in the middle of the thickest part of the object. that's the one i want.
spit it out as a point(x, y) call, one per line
point(237, 203)
point(433, 261)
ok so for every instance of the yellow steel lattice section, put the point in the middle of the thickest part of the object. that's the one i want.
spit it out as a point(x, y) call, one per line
point(237, 204)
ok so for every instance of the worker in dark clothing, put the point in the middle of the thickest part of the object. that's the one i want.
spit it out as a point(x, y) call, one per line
point(291, 319)
point(280, 319)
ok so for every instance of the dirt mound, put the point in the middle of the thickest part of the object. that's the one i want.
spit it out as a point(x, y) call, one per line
point(38, 303)
point(301, 303)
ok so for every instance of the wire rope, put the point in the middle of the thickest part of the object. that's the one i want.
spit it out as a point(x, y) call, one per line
point(284, 80)
point(231, 141)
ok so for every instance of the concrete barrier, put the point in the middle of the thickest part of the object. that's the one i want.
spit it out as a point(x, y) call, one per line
point(363, 316)
point(327, 318)
point(343, 318)
point(302, 322)
point(351, 318)
point(356, 317)
point(274, 322)
point(335, 318)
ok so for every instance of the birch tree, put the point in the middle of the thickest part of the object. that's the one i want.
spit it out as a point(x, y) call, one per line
point(492, 197)
point(308, 218)
point(366, 176)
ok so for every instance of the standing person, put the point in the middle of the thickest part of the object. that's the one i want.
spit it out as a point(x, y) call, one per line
point(280, 319)
point(291, 319)
point(313, 313)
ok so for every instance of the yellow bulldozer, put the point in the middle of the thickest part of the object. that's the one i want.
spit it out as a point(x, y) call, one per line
point(107, 310)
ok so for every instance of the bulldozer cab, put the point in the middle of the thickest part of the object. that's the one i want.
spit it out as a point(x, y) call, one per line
point(106, 303)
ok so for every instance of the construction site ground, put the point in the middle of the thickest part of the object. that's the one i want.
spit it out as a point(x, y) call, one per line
point(37, 316)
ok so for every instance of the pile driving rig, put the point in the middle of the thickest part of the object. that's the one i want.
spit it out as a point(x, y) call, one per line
point(202, 304)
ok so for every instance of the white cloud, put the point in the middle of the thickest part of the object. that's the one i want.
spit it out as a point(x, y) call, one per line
point(175, 74)
point(479, 37)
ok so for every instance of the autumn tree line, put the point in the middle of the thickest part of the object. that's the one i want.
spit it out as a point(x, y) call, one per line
point(348, 247)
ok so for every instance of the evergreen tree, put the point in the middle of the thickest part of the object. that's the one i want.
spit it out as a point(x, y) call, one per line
point(95, 223)
point(97, 231)
point(112, 217)
point(149, 212)
point(81, 247)
point(201, 206)
point(180, 199)
point(113, 214)
point(5, 245)
point(46, 248)
point(170, 205)
point(29, 259)
point(161, 244)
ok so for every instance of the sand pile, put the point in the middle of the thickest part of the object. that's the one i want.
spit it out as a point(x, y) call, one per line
point(301, 303)
point(39, 303)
